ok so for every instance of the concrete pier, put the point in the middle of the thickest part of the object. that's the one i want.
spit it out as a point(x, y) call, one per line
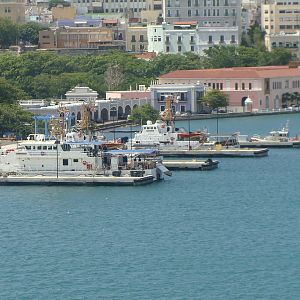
point(191, 164)
point(74, 180)
point(230, 152)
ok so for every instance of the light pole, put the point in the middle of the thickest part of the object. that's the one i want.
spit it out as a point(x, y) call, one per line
point(217, 124)
point(189, 120)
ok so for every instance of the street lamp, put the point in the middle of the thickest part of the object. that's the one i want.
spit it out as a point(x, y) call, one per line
point(189, 120)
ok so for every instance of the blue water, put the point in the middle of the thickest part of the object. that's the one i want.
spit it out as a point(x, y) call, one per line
point(231, 233)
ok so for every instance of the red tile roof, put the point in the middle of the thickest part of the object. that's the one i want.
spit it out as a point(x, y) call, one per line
point(240, 72)
point(146, 55)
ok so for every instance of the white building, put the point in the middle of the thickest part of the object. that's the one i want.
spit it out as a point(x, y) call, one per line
point(189, 37)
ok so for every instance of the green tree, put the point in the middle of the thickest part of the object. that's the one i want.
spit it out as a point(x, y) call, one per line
point(215, 99)
point(54, 3)
point(8, 33)
point(144, 113)
point(9, 93)
point(221, 57)
point(15, 120)
point(29, 32)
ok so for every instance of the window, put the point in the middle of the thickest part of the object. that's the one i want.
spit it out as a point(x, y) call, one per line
point(141, 38)
point(236, 86)
point(250, 86)
point(162, 108)
point(75, 160)
point(243, 85)
point(210, 40)
point(179, 48)
point(65, 162)
point(286, 84)
point(133, 38)
point(192, 48)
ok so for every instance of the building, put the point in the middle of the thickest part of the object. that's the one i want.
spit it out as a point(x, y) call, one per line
point(87, 6)
point(101, 38)
point(117, 105)
point(223, 13)
point(13, 10)
point(281, 22)
point(61, 12)
point(187, 97)
point(136, 39)
point(145, 10)
point(81, 93)
point(181, 37)
point(264, 85)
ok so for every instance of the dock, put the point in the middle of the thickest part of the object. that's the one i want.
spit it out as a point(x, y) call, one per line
point(75, 180)
point(269, 144)
point(206, 165)
point(224, 152)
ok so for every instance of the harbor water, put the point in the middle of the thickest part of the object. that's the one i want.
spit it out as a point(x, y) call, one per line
point(231, 233)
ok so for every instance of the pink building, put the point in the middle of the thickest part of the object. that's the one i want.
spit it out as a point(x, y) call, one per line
point(264, 85)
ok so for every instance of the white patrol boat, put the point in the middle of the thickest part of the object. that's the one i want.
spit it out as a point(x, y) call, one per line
point(160, 135)
point(38, 156)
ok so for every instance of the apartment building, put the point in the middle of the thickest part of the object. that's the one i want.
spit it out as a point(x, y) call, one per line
point(134, 9)
point(13, 10)
point(281, 22)
point(215, 13)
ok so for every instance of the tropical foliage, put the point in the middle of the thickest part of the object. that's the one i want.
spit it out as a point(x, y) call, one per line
point(14, 120)
point(13, 34)
point(215, 99)
point(141, 115)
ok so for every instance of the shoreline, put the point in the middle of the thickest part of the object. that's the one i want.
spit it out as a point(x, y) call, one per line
point(111, 125)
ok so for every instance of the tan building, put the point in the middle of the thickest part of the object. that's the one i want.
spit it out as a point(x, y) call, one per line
point(13, 10)
point(78, 38)
point(281, 22)
point(63, 13)
point(136, 39)
point(152, 12)
point(278, 16)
